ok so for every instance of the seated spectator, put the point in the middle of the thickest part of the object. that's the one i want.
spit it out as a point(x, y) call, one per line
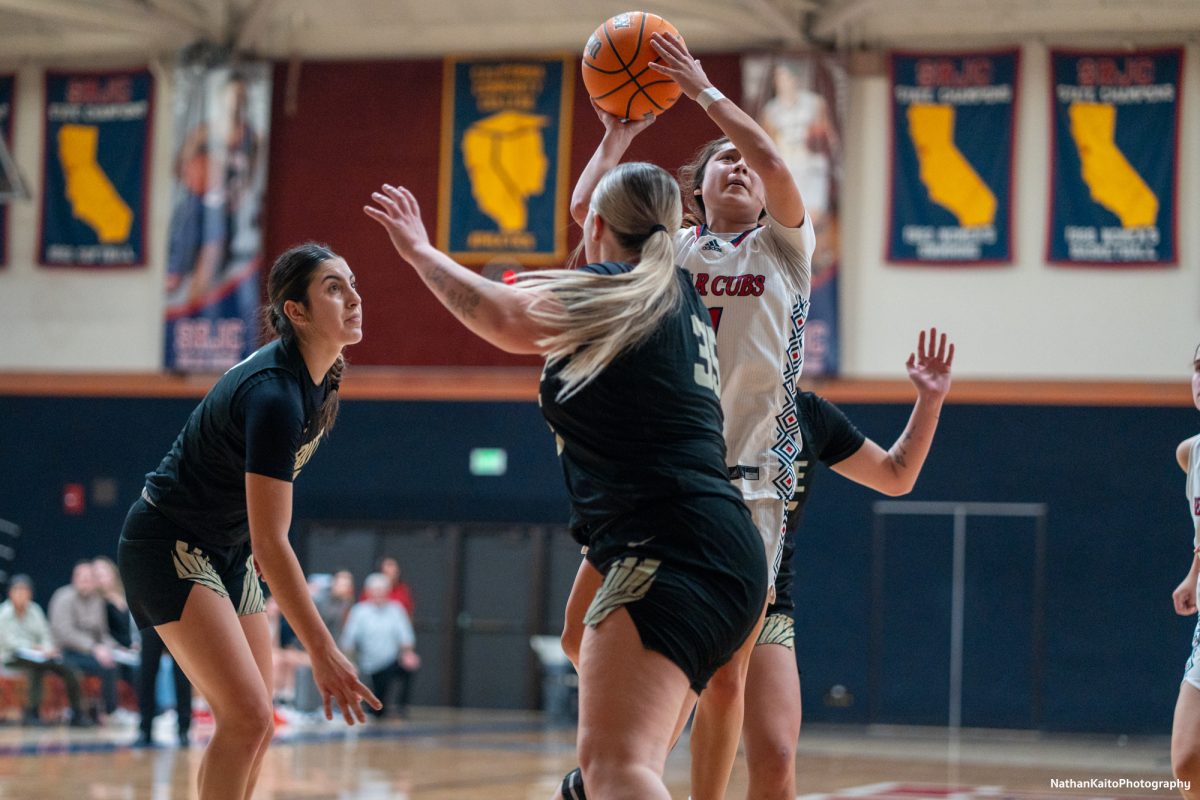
point(335, 606)
point(380, 634)
point(25, 644)
point(79, 627)
point(399, 591)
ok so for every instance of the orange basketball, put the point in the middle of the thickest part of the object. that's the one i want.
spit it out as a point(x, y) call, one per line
point(615, 69)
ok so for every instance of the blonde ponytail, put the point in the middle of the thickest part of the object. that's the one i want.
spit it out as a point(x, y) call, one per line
point(599, 317)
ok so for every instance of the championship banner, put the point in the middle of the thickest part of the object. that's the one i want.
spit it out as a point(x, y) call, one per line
point(95, 169)
point(215, 239)
point(952, 158)
point(7, 84)
point(799, 100)
point(1115, 153)
point(504, 162)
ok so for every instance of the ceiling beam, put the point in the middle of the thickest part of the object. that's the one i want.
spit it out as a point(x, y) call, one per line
point(839, 14)
point(252, 25)
point(187, 12)
point(790, 30)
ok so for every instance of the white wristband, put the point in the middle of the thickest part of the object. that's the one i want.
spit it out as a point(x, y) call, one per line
point(709, 96)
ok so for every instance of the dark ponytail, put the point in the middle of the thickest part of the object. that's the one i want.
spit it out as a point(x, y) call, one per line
point(288, 280)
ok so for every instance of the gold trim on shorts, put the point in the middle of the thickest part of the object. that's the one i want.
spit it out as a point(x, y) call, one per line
point(778, 629)
point(253, 601)
point(192, 565)
point(627, 581)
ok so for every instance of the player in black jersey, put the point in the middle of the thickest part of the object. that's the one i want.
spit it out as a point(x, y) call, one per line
point(772, 723)
point(225, 490)
point(631, 390)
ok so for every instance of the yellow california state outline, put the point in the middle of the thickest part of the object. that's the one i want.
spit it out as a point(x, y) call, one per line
point(950, 179)
point(1110, 178)
point(94, 200)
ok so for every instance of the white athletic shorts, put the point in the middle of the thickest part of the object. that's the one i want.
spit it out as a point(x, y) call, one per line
point(770, 518)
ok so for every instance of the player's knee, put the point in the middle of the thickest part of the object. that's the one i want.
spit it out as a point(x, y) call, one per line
point(251, 724)
point(728, 685)
point(773, 766)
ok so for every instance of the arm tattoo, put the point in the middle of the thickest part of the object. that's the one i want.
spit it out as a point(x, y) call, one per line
point(461, 300)
point(899, 457)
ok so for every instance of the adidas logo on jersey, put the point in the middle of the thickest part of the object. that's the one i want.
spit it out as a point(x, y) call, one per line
point(713, 245)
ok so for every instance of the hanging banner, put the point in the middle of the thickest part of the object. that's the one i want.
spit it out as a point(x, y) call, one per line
point(952, 158)
point(1115, 153)
point(799, 100)
point(215, 239)
point(506, 130)
point(7, 84)
point(95, 169)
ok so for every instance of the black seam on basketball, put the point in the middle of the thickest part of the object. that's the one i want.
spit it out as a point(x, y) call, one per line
point(641, 33)
point(594, 68)
point(621, 61)
point(617, 89)
point(642, 91)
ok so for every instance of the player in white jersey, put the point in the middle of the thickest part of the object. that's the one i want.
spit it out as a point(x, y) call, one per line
point(1185, 732)
point(749, 258)
point(755, 283)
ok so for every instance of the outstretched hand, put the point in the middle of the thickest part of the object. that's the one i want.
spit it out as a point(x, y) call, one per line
point(337, 680)
point(677, 63)
point(400, 215)
point(929, 370)
point(1184, 596)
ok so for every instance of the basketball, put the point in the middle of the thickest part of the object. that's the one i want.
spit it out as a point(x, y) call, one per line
point(616, 68)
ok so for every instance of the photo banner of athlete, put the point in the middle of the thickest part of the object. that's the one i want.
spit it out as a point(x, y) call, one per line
point(215, 238)
point(7, 84)
point(800, 100)
point(503, 192)
point(952, 158)
point(1114, 151)
point(95, 169)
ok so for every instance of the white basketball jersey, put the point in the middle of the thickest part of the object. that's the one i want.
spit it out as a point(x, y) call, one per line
point(756, 286)
point(1193, 484)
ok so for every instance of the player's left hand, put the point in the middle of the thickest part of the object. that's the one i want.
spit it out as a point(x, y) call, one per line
point(677, 63)
point(400, 215)
point(929, 370)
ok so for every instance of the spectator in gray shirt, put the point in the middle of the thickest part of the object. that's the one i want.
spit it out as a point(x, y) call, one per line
point(79, 626)
point(379, 632)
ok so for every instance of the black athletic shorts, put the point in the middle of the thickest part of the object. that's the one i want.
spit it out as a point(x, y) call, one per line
point(159, 566)
point(691, 577)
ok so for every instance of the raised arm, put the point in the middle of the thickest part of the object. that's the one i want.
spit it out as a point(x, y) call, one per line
point(894, 471)
point(783, 199)
point(618, 134)
point(493, 311)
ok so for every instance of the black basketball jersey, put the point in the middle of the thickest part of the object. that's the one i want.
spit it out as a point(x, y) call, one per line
point(646, 432)
point(256, 418)
point(827, 436)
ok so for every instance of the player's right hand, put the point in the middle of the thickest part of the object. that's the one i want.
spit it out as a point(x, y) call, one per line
point(1184, 596)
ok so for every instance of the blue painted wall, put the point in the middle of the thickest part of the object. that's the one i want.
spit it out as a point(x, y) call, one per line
point(1118, 543)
